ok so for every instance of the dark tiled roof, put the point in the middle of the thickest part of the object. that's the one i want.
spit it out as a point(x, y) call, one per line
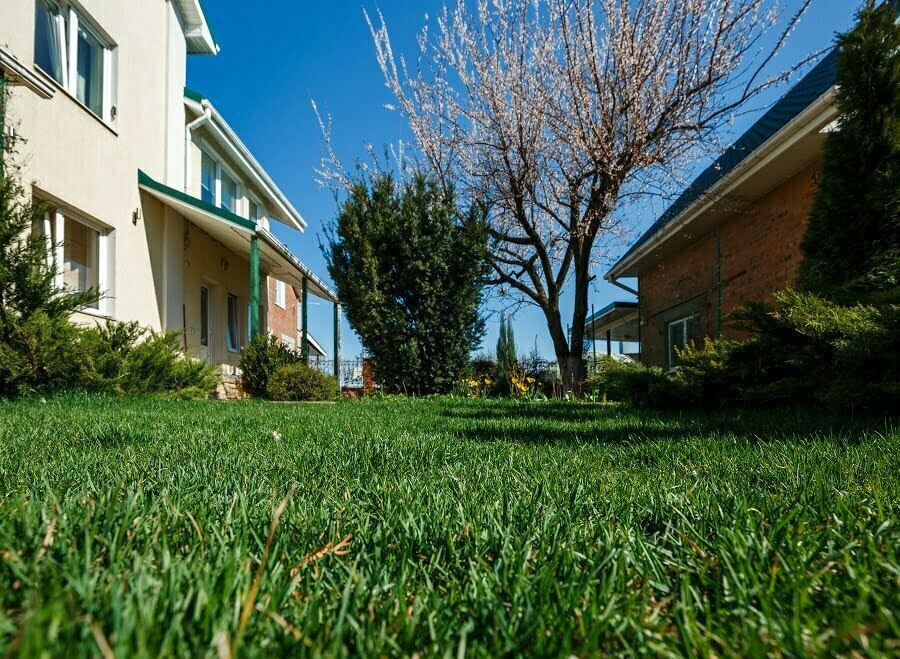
point(800, 97)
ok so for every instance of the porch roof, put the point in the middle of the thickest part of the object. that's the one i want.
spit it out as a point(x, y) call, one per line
point(619, 318)
point(235, 232)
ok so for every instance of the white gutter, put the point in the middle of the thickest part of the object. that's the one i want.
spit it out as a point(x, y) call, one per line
point(188, 130)
point(283, 249)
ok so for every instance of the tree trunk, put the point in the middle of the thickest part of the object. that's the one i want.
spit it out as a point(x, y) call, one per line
point(569, 350)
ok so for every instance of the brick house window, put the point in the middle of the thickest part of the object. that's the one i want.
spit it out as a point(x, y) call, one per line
point(677, 337)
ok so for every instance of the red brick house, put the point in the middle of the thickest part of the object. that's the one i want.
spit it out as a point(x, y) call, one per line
point(284, 317)
point(734, 234)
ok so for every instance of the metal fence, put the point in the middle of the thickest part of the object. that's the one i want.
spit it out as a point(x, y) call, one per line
point(351, 370)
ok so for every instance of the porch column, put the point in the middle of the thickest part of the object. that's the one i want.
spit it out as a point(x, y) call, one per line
point(337, 344)
point(254, 286)
point(304, 341)
point(608, 343)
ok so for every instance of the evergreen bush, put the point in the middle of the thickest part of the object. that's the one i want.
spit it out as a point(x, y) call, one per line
point(260, 360)
point(299, 382)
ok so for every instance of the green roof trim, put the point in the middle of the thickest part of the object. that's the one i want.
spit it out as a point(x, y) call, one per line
point(806, 92)
point(145, 180)
point(193, 95)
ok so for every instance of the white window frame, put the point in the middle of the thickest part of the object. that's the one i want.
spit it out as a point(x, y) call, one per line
point(75, 19)
point(280, 292)
point(241, 193)
point(105, 271)
point(261, 220)
point(670, 346)
point(299, 315)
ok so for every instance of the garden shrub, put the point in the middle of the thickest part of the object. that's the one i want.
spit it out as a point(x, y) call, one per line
point(803, 350)
point(39, 355)
point(298, 381)
point(260, 360)
point(637, 384)
point(125, 358)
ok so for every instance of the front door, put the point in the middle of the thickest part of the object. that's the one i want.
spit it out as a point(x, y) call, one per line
point(204, 323)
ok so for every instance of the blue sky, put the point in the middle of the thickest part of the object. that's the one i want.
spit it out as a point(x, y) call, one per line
point(279, 54)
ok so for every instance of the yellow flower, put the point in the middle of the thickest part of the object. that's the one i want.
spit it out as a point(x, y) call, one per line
point(529, 380)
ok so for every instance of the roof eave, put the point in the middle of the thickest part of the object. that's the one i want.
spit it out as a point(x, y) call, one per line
point(627, 266)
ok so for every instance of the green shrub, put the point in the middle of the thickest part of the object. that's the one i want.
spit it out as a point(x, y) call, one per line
point(806, 349)
point(48, 354)
point(803, 350)
point(632, 382)
point(124, 358)
point(39, 355)
point(260, 360)
point(300, 382)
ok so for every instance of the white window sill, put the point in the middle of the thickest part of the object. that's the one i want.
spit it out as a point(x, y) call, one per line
point(110, 127)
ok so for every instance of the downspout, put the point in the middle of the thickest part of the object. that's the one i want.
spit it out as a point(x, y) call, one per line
point(718, 280)
point(188, 130)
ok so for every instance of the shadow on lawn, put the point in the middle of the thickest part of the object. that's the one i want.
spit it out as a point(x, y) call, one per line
point(555, 422)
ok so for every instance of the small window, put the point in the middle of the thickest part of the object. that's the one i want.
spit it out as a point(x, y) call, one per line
point(299, 315)
point(234, 341)
point(677, 338)
point(254, 214)
point(280, 294)
point(81, 253)
point(50, 49)
point(229, 193)
point(288, 342)
point(74, 54)
point(204, 317)
point(207, 179)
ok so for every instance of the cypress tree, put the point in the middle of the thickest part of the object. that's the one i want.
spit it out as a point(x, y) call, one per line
point(852, 243)
point(507, 359)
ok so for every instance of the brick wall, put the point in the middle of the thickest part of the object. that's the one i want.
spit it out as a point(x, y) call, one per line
point(282, 321)
point(760, 252)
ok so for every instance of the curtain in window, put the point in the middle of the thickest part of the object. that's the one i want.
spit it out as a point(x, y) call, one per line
point(50, 42)
point(89, 85)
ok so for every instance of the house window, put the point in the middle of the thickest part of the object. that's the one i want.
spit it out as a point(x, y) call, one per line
point(81, 253)
point(254, 213)
point(229, 193)
point(217, 186)
point(288, 342)
point(234, 340)
point(676, 339)
point(280, 294)
point(299, 315)
point(72, 52)
point(207, 179)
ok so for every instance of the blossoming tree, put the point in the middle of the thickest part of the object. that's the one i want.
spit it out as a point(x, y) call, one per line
point(551, 113)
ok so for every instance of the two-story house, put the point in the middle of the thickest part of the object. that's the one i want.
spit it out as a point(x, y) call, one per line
point(156, 201)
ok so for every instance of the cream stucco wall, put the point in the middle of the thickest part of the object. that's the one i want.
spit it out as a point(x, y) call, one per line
point(209, 263)
point(73, 159)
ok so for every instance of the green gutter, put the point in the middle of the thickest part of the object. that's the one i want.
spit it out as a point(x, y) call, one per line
point(199, 204)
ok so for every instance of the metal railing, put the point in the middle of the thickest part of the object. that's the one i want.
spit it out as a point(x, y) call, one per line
point(350, 370)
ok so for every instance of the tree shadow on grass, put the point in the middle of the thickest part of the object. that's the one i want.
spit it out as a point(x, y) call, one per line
point(571, 423)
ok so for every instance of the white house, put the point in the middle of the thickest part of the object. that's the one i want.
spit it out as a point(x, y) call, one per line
point(157, 201)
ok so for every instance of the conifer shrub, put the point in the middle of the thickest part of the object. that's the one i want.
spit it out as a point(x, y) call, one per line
point(260, 360)
point(299, 382)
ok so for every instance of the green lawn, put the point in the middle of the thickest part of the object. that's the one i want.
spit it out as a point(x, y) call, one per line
point(139, 528)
